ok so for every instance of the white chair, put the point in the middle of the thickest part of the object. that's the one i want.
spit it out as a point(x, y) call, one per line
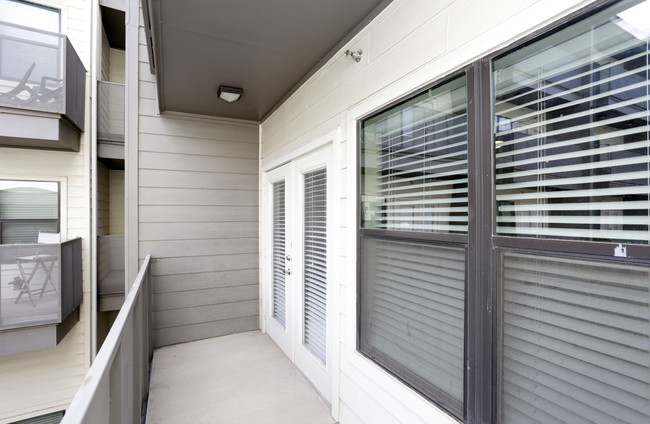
point(46, 261)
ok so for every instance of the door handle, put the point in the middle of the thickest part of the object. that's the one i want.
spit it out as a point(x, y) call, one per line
point(287, 271)
point(288, 257)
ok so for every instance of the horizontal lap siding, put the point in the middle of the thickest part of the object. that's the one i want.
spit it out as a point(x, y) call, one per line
point(198, 215)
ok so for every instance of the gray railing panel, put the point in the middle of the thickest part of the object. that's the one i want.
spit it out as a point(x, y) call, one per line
point(118, 380)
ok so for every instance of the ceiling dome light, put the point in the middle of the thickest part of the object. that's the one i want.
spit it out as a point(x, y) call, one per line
point(229, 94)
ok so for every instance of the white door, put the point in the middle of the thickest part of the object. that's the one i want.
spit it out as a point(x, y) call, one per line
point(299, 283)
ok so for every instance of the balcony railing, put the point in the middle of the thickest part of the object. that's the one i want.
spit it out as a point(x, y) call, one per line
point(40, 71)
point(110, 111)
point(40, 283)
point(117, 383)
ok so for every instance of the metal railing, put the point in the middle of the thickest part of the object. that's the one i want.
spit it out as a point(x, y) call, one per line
point(41, 284)
point(110, 111)
point(41, 71)
point(117, 383)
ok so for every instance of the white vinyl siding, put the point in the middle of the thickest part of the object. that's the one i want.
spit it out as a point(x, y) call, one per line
point(315, 263)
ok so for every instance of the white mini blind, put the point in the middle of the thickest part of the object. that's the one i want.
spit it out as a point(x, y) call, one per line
point(575, 342)
point(413, 314)
point(415, 163)
point(315, 263)
point(572, 142)
point(279, 252)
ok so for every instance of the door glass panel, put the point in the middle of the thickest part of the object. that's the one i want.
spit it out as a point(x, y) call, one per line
point(315, 263)
point(279, 251)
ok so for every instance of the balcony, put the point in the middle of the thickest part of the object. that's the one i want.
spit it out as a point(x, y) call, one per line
point(243, 378)
point(110, 272)
point(40, 292)
point(42, 90)
point(110, 121)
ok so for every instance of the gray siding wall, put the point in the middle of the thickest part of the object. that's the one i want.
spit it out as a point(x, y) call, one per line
point(198, 215)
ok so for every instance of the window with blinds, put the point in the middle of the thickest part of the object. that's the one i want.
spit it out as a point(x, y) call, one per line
point(413, 315)
point(575, 341)
point(414, 166)
point(27, 208)
point(279, 251)
point(571, 131)
point(315, 263)
point(414, 190)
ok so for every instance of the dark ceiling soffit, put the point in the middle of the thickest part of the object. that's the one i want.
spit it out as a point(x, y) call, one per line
point(372, 15)
point(151, 14)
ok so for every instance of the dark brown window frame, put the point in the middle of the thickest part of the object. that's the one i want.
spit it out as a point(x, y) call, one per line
point(483, 247)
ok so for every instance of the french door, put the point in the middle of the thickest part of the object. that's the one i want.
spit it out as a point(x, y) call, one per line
point(297, 268)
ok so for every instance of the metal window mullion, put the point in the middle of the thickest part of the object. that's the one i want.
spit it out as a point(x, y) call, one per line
point(480, 265)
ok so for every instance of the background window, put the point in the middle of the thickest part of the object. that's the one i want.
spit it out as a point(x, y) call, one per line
point(27, 208)
point(31, 15)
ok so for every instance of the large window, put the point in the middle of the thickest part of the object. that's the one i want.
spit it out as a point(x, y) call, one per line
point(413, 225)
point(27, 208)
point(504, 230)
point(572, 162)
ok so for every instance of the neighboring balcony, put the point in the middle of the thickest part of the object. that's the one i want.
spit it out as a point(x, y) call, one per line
point(40, 293)
point(110, 122)
point(110, 272)
point(42, 90)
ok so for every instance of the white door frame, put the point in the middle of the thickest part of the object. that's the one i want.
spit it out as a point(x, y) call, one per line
point(319, 153)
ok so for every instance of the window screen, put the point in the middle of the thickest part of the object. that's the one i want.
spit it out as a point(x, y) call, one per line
point(574, 341)
point(413, 314)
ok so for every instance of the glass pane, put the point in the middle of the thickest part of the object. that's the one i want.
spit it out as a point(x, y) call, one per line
point(571, 132)
point(27, 208)
point(414, 163)
point(315, 263)
point(412, 315)
point(279, 250)
point(575, 344)
point(30, 15)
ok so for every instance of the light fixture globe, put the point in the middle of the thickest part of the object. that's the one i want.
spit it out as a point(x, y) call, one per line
point(229, 94)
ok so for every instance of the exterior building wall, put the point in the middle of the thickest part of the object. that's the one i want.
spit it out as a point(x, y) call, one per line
point(412, 43)
point(103, 201)
point(37, 382)
point(198, 201)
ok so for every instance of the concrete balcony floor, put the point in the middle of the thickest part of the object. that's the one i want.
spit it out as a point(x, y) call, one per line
point(237, 379)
